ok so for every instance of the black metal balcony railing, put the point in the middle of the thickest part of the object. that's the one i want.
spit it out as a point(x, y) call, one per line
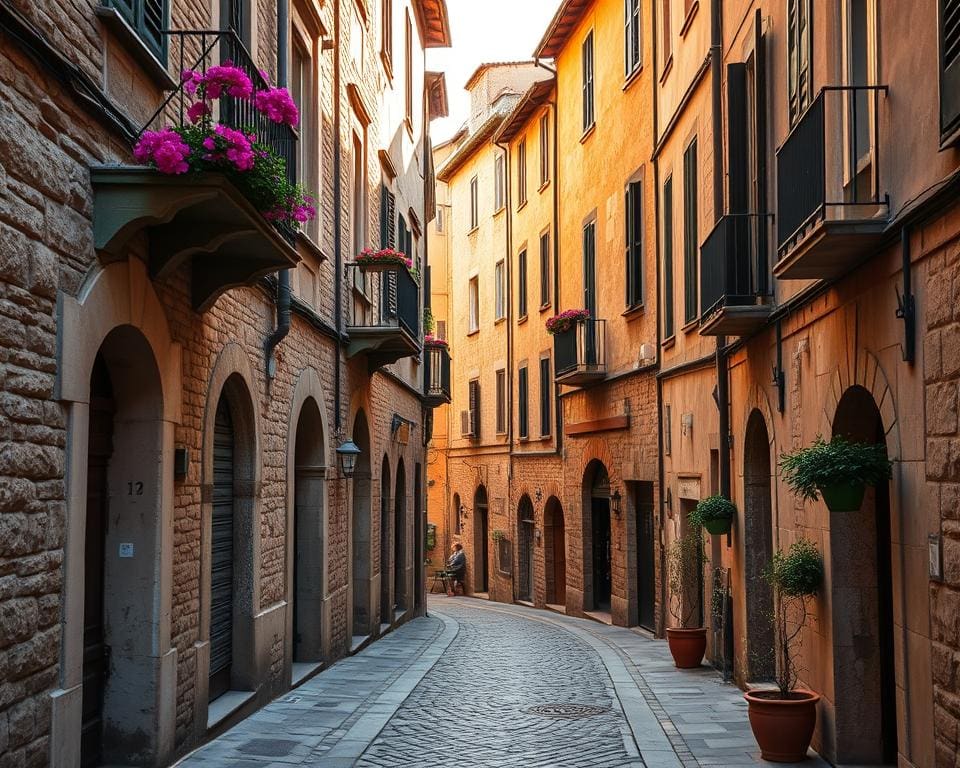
point(437, 374)
point(581, 349)
point(733, 262)
point(200, 49)
point(385, 298)
point(820, 177)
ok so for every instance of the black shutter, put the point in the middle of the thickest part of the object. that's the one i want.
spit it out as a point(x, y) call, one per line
point(760, 142)
point(523, 405)
point(522, 287)
point(589, 269)
point(738, 165)
point(627, 218)
point(668, 321)
point(544, 269)
point(690, 229)
point(545, 396)
point(475, 408)
point(154, 22)
point(221, 568)
point(949, 66)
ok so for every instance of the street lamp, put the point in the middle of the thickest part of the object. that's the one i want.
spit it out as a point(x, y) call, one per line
point(347, 454)
point(616, 503)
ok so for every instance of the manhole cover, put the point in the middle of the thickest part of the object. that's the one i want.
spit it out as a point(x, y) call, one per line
point(570, 711)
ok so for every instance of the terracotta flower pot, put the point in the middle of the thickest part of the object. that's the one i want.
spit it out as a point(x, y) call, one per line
point(783, 727)
point(843, 497)
point(687, 646)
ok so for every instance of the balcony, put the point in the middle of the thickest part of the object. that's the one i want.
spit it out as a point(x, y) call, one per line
point(436, 375)
point(579, 354)
point(199, 220)
point(384, 320)
point(734, 293)
point(830, 208)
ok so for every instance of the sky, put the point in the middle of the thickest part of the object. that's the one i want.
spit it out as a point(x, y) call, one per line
point(484, 30)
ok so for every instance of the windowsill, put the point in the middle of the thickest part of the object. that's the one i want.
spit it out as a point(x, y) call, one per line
point(501, 434)
point(669, 341)
point(474, 230)
point(499, 211)
point(408, 123)
point(474, 332)
point(387, 62)
point(543, 187)
point(499, 320)
point(666, 69)
point(689, 20)
point(521, 205)
point(523, 439)
point(136, 47)
point(225, 705)
point(310, 245)
point(690, 325)
point(545, 307)
point(522, 319)
point(632, 77)
point(631, 313)
point(589, 132)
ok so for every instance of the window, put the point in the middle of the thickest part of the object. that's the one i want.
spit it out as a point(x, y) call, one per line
point(949, 67)
point(522, 173)
point(587, 53)
point(498, 182)
point(442, 330)
point(544, 269)
point(233, 16)
point(522, 284)
point(457, 516)
point(386, 32)
point(631, 37)
point(690, 227)
point(668, 330)
point(300, 90)
point(439, 219)
point(473, 419)
point(634, 243)
point(545, 420)
point(474, 290)
point(474, 202)
point(667, 6)
point(148, 18)
point(523, 406)
point(388, 211)
point(667, 434)
point(544, 149)
point(500, 291)
point(799, 57)
point(590, 268)
point(501, 402)
point(408, 68)
point(358, 202)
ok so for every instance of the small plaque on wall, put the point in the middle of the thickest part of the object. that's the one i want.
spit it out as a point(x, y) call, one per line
point(504, 556)
point(936, 557)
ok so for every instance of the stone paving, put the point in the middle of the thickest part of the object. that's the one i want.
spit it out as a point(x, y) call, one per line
point(462, 688)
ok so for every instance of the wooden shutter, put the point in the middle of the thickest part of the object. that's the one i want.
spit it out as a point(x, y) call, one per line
point(738, 164)
point(589, 269)
point(668, 321)
point(523, 404)
point(949, 66)
point(690, 228)
point(544, 269)
point(221, 568)
point(474, 408)
point(545, 396)
point(522, 284)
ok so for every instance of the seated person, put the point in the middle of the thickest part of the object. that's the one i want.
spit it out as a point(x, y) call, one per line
point(457, 568)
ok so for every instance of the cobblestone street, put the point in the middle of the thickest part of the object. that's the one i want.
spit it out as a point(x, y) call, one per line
point(487, 684)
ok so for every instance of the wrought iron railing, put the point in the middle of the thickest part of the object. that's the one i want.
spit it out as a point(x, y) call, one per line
point(198, 49)
point(437, 373)
point(830, 163)
point(733, 262)
point(385, 297)
point(582, 348)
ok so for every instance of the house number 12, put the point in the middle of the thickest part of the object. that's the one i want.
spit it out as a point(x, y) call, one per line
point(135, 488)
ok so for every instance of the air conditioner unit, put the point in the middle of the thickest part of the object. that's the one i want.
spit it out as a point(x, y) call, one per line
point(466, 424)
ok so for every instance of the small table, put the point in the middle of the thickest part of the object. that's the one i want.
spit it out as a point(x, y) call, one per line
point(441, 578)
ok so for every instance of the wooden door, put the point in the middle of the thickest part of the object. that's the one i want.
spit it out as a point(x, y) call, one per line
point(222, 556)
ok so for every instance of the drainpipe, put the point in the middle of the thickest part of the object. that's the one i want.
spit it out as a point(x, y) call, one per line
point(337, 216)
point(509, 319)
point(283, 280)
point(558, 404)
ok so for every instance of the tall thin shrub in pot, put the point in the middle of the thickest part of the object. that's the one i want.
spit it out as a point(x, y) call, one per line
point(783, 720)
point(685, 562)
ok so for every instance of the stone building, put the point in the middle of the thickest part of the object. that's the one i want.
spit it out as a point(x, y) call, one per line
point(179, 543)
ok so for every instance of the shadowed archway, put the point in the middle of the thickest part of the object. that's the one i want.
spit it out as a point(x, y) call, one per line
point(758, 549)
point(554, 553)
point(361, 529)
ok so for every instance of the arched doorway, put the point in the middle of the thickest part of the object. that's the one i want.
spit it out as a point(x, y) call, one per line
point(386, 573)
point(362, 529)
point(554, 553)
point(400, 541)
point(525, 549)
point(598, 574)
point(646, 555)
point(758, 549)
point(309, 535)
point(481, 552)
point(862, 595)
point(121, 630)
point(420, 535)
point(457, 515)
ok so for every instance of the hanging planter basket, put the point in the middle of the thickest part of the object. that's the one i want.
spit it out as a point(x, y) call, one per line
point(843, 497)
point(714, 514)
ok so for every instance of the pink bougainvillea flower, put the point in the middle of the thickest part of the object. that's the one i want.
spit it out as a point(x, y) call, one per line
point(227, 79)
point(191, 80)
point(198, 110)
point(166, 149)
point(234, 146)
point(278, 105)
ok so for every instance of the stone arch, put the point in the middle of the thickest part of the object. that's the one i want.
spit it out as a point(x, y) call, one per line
point(118, 312)
point(308, 451)
point(232, 382)
point(756, 546)
point(361, 539)
point(526, 550)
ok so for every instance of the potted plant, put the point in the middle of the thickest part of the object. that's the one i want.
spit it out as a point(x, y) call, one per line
point(715, 514)
point(382, 259)
point(566, 320)
point(685, 566)
point(783, 720)
point(432, 341)
point(839, 471)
